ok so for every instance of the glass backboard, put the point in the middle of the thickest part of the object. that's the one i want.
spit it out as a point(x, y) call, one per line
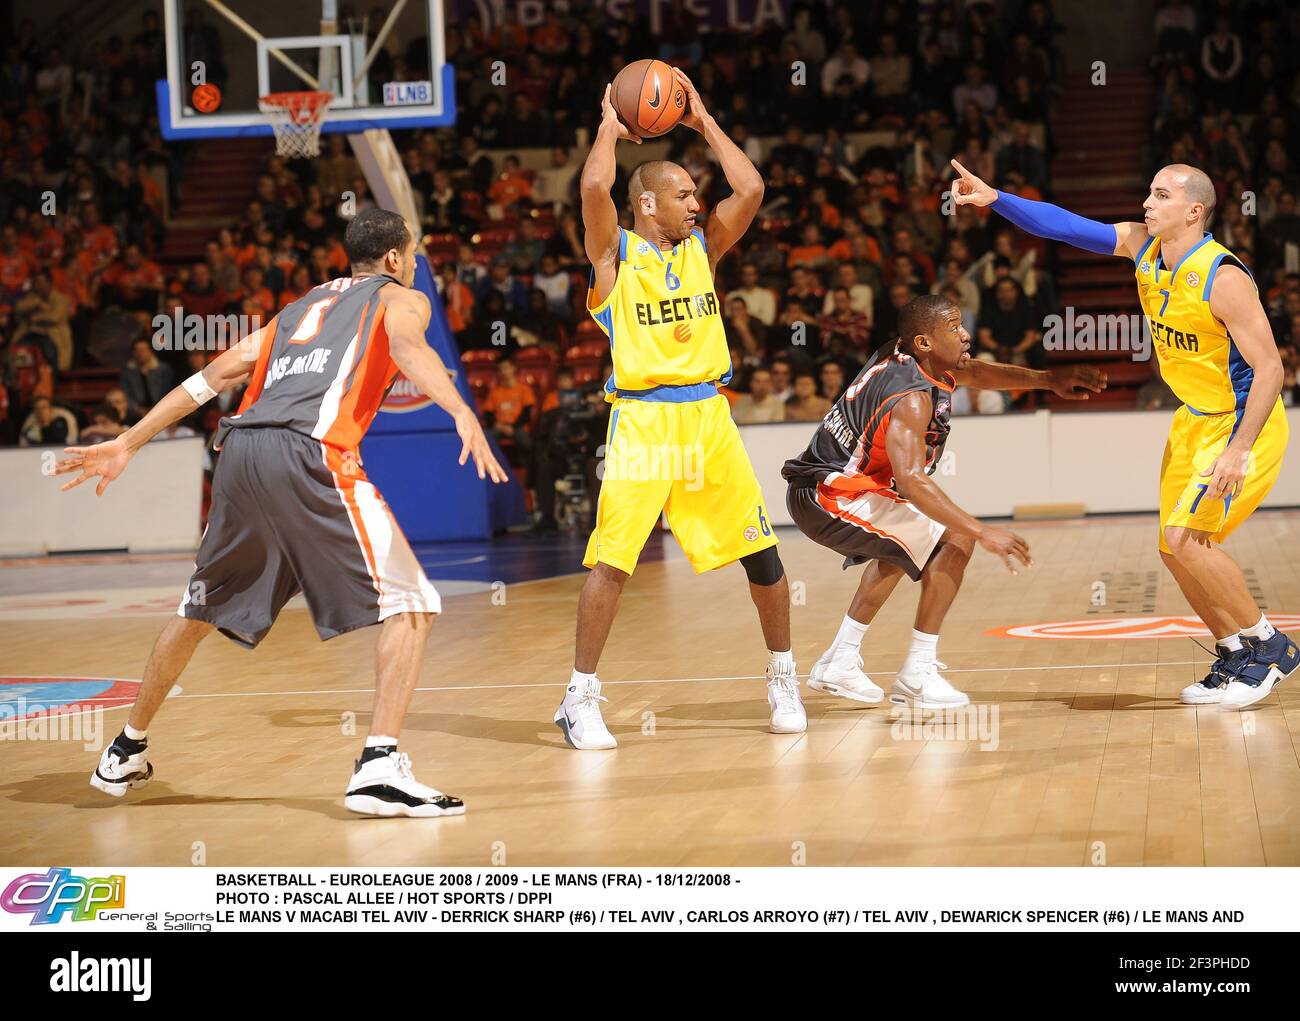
point(247, 48)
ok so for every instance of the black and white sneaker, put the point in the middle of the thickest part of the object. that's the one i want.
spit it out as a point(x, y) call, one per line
point(385, 786)
point(120, 768)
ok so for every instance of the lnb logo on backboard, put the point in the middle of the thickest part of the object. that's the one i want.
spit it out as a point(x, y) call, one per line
point(47, 898)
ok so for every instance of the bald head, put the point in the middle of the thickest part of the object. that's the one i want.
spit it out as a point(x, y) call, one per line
point(653, 176)
point(669, 214)
point(1195, 185)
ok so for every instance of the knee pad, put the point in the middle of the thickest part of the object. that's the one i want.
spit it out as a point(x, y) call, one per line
point(763, 567)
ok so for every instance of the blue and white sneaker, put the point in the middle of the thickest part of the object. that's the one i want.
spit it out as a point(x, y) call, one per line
point(1271, 662)
point(1209, 690)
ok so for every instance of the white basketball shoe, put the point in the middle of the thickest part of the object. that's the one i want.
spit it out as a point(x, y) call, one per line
point(788, 716)
point(120, 769)
point(841, 674)
point(386, 786)
point(921, 686)
point(579, 718)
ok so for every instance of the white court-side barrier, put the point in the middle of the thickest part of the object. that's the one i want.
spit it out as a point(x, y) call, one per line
point(153, 506)
point(1107, 461)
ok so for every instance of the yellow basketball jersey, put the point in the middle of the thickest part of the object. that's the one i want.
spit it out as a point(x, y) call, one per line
point(662, 318)
point(1198, 358)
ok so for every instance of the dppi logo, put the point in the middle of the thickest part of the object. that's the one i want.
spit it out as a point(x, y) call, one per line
point(47, 898)
point(404, 396)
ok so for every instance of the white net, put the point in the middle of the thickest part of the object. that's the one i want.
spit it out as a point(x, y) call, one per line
point(296, 119)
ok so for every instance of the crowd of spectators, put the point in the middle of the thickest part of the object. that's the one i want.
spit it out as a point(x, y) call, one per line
point(1228, 101)
point(854, 149)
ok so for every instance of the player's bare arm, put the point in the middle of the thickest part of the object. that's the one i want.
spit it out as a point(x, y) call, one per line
point(733, 215)
point(1049, 221)
point(905, 445)
point(599, 215)
point(1073, 382)
point(106, 461)
point(1235, 302)
point(406, 316)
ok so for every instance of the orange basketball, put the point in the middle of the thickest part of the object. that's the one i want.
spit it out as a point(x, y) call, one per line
point(648, 98)
point(205, 98)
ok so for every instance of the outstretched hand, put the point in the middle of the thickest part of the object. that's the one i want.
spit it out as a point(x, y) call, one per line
point(474, 444)
point(969, 190)
point(1076, 382)
point(105, 461)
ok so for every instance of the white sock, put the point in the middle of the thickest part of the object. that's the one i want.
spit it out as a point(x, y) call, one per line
point(580, 680)
point(1261, 629)
point(381, 741)
point(781, 662)
point(1232, 643)
point(133, 734)
point(924, 649)
point(849, 638)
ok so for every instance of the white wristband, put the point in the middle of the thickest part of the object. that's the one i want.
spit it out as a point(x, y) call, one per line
point(197, 387)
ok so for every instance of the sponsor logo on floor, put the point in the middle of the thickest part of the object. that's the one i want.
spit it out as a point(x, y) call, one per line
point(1123, 628)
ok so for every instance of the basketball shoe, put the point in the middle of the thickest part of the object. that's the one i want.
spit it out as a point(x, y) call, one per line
point(921, 686)
point(124, 764)
point(842, 675)
point(384, 785)
point(579, 718)
point(1209, 690)
point(1272, 660)
point(788, 716)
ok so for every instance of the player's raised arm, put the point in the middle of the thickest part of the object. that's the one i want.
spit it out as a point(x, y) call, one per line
point(599, 215)
point(733, 215)
point(106, 461)
point(1045, 220)
point(406, 317)
point(905, 445)
point(1235, 302)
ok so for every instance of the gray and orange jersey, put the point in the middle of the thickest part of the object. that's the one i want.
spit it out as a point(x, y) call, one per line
point(847, 452)
point(324, 366)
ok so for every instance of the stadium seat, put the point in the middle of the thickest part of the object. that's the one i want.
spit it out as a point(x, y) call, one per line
point(538, 358)
point(587, 350)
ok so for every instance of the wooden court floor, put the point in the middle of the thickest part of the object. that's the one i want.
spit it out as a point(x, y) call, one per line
point(1076, 753)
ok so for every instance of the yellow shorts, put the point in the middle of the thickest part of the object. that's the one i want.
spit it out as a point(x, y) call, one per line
point(1194, 443)
point(685, 459)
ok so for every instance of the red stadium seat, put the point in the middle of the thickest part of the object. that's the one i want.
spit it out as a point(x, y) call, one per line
point(536, 357)
point(480, 356)
point(541, 378)
point(585, 372)
point(480, 377)
point(587, 350)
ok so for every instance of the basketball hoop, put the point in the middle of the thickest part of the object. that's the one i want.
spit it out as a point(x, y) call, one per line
point(296, 118)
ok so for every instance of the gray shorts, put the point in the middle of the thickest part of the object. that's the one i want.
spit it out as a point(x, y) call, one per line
point(291, 515)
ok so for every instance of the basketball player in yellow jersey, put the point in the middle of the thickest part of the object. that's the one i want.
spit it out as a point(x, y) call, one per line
point(1225, 448)
point(672, 446)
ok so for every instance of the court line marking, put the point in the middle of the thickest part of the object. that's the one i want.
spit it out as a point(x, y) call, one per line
point(665, 680)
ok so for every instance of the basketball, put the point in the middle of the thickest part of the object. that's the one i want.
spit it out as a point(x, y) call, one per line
point(648, 98)
point(205, 98)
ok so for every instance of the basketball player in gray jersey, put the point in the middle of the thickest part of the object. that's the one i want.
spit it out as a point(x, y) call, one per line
point(292, 509)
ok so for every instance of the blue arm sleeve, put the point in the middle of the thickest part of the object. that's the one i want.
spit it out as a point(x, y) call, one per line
point(1048, 221)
